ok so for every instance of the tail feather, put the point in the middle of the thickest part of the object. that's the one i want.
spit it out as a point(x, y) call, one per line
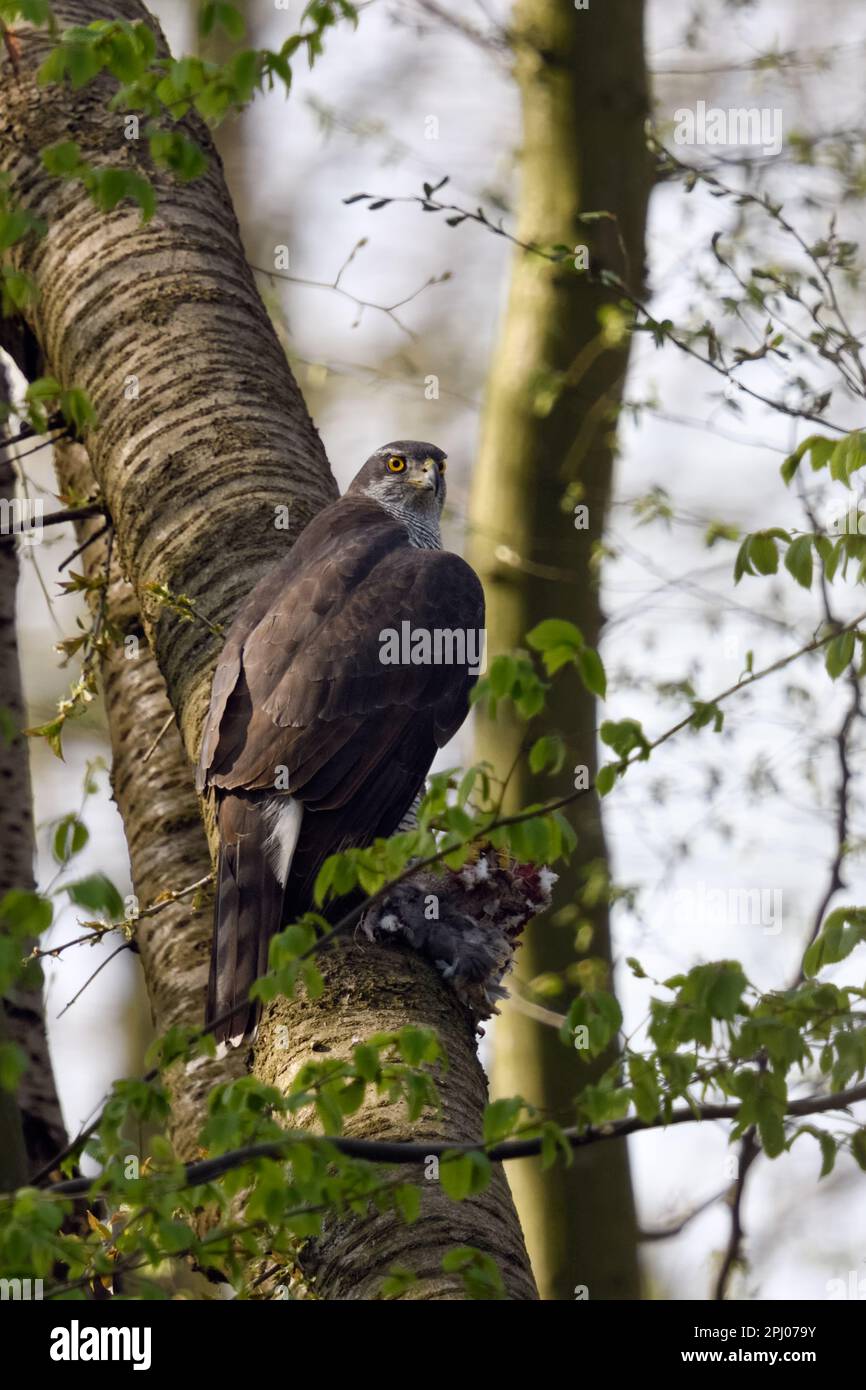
point(248, 912)
point(271, 850)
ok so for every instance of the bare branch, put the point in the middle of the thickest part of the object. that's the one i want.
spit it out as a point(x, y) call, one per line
point(749, 1151)
point(387, 1151)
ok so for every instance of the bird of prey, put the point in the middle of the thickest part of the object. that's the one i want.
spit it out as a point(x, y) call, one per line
point(314, 742)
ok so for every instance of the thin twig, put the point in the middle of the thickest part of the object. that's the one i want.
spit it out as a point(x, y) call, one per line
point(153, 747)
point(89, 981)
point(97, 536)
point(57, 519)
point(46, 443)
point(749, 1151)
point(614, 283)
point(98, 929)
point(387, 309)
point(55, 422)
point(835, 881)
point(677, 1227)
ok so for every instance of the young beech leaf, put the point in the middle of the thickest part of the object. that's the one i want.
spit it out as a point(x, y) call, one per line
point(839, 654)
point(798, 560)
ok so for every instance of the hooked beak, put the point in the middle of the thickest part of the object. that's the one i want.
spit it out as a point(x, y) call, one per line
point(428, 476)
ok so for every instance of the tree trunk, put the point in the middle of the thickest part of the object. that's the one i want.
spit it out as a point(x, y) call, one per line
point(546, 446)
point(35, 1133)
point(168, 847)
point(384, 987)
point(193, 467)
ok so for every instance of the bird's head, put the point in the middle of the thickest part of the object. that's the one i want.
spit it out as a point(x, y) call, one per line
point(406, 475)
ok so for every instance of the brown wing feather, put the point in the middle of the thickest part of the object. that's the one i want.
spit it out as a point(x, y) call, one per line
point(307, 703)
point(333, 551)
point(300, 686)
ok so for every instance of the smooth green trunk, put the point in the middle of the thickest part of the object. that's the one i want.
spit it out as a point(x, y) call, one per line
point(548, 445)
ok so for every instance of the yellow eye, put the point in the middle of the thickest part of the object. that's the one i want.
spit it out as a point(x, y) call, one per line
point(396, 465)
point(442, 466)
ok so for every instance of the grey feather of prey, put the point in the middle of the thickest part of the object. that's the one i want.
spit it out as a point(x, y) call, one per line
point(467, 923)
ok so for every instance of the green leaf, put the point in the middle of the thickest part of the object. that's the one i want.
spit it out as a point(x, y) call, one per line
point(172, 1045)
point(501, 1117)
point(174, 1236)
point(407, 1200)
point(625, 736)
point(707, 713)
point(567, 835)
point(592, 673)
point(367, 1061)
point(707, 992)
point(53, 69)
point(829, 552)
point(558, 641)
point(593, 1020)
point(350, 1096)
point(501, 677)
point(848, 456)
point(464, 1175)
point(146, 42)
point(771, 1124)
point(70, 837)
point(742, 564)
point(821, 451)
point(844, 929)
point(839, 654)
point(858, 1147)
point(828, 1152)
point(44, 388)
point(480, 1273)
point(15, 223)
point(171, 149)
point(764, 1097)
point(63, 159)
point(112, 186)
point(605, 778)
point(25, 913)
point(763, 553)
point(13, 1065)
point(397, 1281)
point(789, 467)
point(97, 894)
point(76, 407)
point(81, 62)
point(604, 1103)
point(547, 754)
point(217, 13)
point(532, 841)
point(35, 12)
point(313, 980)
point(798, 560)
point(417, 1045)
point(329, 1112)
point(511, 676)
point(293, 941)
point(718, 987)
point(645, 1087)
point(18, 289)
point(554, 1144)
